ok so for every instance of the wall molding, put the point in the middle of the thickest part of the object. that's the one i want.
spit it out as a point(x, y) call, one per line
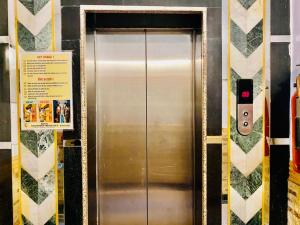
point(5, 145)
point(280, 38)
point(214, 140)
point(4, 39)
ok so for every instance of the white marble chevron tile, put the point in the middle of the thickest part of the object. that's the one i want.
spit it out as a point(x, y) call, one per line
point(242, 64)
point(233, 105)
point(246, 162)
point(245, 210)
point(38, 214)
point(246, 19)
point(47, 211)
point(34, 23)
point(30, 209)
point(258, 111)
point(37, 166)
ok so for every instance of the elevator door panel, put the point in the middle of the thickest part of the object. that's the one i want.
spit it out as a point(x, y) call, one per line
point(121, 128)
point(145, 128)
point(170, 128)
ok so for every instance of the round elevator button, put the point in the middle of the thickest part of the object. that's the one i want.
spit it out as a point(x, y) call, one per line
point(246, 113)
point(245, 124)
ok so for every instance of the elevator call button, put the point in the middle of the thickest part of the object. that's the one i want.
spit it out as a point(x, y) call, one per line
point(244, 106)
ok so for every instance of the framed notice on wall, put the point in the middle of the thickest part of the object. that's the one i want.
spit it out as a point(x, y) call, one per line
point(46, 90)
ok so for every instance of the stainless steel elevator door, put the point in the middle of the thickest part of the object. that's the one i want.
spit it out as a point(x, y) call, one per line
point(170, 128)
point(145, 127)
point(121, 128)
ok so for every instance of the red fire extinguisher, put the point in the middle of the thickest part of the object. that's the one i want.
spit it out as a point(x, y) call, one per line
point(295, 103)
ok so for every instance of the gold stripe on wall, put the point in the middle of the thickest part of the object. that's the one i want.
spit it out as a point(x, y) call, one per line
point(55, 132)
point(18, 109)
point(264, 177)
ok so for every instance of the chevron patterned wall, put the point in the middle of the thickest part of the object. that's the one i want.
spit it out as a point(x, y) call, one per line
point(37, 149)
point(246, 153)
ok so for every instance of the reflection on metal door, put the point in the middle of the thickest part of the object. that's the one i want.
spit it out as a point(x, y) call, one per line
point(170, 128)
point(145, 127)
point(121, 128)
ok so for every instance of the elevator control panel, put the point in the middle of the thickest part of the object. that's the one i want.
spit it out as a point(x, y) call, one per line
point(244, 106)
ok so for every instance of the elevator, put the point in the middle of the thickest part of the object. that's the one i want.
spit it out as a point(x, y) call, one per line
point(144, 88)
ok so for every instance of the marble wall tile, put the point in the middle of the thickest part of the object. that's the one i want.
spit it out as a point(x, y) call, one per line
point(38, 190)
point(279, 172)
point(70, 30)
point(280, 90)
point(214, 86)
point(214, 155)
point(30, 42)
point(254, 221)
point(246, 186)
point(246, 143)
point(280, 17)
point(247, 43)
point(73, 186)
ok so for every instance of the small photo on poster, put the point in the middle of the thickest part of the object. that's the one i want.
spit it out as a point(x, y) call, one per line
point(61, 109)
point(45, 111)
point(29, 112)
